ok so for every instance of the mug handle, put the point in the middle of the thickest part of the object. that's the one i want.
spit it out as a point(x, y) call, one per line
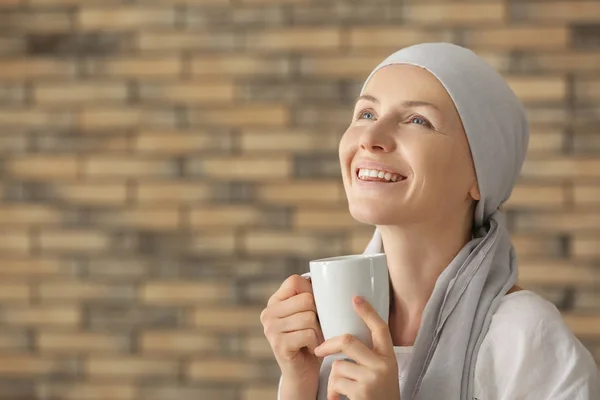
point(306, 276)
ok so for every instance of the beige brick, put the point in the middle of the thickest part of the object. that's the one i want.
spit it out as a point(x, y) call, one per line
point(537, 197)
point(185, 292)
point(81, 342)
point(392, 37)
point(560, 11)
point(189, 92)
point(586, 247)
point(15, 241)
point(29, 214)
point(14, 340)
point(454, 14)
point(519, 38)
point(14, 144)
point(147, 219)
point(88, 390)
point(544, 114)
point(124, 17)
point(29, 267)
point(556, 61)
point(226, 319)
point(120, 118)
point(93, 193)
point(257, 2)
point(545, 140)
point(125, 167)
point(561, 168)
point(258, 393)
point(347, 66)
point(44, 167)
point(175, 192)
point(225, 216)
point(586, 195)
point(73, 240)
point(14, 292)
point(73, 290)
point(222, 370)
point(288, 141)
point(37, 21)
point(246, 168)
point(559, 222)
point(142, 67)
point(335, 219)
point(294, 39)
point(302, 193)
point(178, 40)
point(558, 273)
point(213, 243)
point(80, 92)
point(42, 316)
point(238, 65)
point(257, 347)
point(273, 115)
point(587, 90)
point(179, 342)
point(359, 240)
point(293, 243)
point(175, 143)
point(23, 364)
point(583, 325)
point(530, 88)
point(29, 118)
point(587, 300)
point(130, 368)
point(34, 68)
point(533, 245)
point(262, 291)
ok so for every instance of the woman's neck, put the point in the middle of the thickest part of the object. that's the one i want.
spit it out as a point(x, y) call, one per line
point(416, 256)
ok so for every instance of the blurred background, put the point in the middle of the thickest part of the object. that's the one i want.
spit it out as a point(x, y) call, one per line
point(166, 164)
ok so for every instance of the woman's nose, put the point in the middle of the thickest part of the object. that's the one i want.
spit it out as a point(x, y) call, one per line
point(376, 139)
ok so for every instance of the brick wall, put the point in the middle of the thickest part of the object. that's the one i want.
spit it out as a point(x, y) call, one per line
point(166, 164)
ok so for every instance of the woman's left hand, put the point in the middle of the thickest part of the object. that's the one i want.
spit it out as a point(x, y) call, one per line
point(374, 375)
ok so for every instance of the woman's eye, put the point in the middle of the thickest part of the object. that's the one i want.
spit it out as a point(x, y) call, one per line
point(420, 121)
point(366, 115)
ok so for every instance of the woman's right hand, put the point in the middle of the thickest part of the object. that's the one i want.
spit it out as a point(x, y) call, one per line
point(293, 331)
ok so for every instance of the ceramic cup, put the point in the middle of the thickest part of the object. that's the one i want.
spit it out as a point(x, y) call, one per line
point(336, 280)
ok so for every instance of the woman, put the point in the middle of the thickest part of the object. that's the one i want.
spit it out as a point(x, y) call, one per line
point(435, 146)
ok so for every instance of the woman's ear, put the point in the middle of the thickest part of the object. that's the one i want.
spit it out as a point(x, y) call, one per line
point(474, 192)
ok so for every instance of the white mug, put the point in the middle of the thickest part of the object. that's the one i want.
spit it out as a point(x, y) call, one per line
point(335, 282)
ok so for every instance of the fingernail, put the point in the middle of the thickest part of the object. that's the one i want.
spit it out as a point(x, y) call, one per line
point(359, 300)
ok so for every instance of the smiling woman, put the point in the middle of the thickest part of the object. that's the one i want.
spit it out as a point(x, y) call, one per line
point(434, 149)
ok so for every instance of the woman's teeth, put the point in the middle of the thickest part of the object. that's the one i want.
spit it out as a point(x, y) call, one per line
point(368, 174)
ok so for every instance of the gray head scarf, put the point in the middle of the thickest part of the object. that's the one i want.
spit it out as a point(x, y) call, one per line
point(468, 292)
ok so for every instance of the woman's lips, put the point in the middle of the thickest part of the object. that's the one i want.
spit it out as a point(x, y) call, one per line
point(378, 175)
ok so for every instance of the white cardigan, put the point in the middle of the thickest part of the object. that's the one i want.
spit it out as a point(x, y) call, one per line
point(529, 353)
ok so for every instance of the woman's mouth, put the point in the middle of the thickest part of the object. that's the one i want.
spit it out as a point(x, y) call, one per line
point(376, 175)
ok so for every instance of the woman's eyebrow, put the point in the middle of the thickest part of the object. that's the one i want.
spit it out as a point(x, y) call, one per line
point(404, 104)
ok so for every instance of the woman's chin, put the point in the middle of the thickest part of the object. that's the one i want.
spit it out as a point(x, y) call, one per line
point(374, 215)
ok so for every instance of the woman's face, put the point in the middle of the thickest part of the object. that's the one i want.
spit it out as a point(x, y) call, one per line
point(405, 156)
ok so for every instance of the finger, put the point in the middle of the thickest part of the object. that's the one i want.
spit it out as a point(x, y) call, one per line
point(297, 322)
point(288, 344)
point(338, 385)
point(299, 303)
point(380, 332)
point(348, 369)
point(292, 286)
point(351, 347)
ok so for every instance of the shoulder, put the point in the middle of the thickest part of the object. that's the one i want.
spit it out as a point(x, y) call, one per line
point(529, 352)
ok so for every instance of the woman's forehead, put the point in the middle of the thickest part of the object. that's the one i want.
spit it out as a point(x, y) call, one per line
point(403, 82)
